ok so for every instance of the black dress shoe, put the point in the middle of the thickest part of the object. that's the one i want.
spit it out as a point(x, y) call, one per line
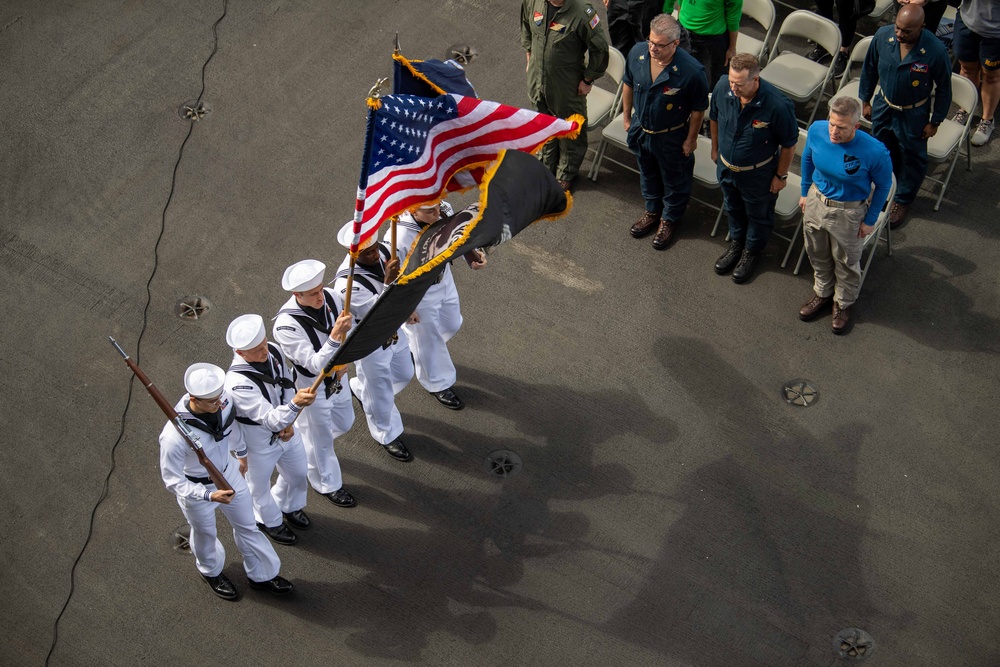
point(726, 263)
point(341, 498)
point(222, 587)
point(279, 534)
point(297, 519)
point(448, 399)
point(277, 586)
point(397, 450)
point(746, 267)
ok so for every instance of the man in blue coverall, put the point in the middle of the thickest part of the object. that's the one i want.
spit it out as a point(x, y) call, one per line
point(667, 90)
point(754, 133)
point(908, 62)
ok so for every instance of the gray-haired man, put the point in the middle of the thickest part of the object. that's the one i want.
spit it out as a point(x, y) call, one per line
point(839, 167)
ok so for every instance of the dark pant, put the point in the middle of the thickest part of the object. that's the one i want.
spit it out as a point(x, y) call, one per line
point(845, 14)
point(748, 200)
point(628, 22)
point(902, 133)
point(710, 50)
point(665, 175)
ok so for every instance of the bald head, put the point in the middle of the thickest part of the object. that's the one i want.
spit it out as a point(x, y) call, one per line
point(909, 23)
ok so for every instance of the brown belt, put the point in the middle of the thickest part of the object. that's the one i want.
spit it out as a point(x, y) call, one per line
point(833, 203)
point(734, 168)
point(903, 108)
point(669, 129)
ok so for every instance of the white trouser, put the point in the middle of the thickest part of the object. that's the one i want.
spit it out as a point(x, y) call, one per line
point(289, 492)
point(320, 424)
point(382, 375)
point(259, 559)
point(440, 319)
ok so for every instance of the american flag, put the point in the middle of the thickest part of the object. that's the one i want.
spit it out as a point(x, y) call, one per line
point(420, 144)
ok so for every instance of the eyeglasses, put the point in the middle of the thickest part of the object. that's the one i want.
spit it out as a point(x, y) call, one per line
point(657, 45)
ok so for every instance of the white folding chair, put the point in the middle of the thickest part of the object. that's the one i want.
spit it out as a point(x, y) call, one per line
point(947, 143)
point(761, 11)
point(600, 102)
point(787, 205)
point(849, 84)
point(871, 241)
point(705, 174)
point(795, 75)
point(882, 7)
point(613, 134)
point(607, 105)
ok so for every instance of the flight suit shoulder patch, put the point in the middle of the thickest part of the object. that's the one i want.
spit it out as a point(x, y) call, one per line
point(594, 21)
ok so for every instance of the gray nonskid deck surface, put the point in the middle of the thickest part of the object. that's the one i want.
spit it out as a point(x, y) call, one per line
point(672, 509)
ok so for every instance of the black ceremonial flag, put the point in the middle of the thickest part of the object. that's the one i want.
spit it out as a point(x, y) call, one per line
point(516, 191)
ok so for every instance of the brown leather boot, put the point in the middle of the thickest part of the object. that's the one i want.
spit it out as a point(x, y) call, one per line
point(812, 308)
point(840, 318)
point(644, 225)
point(664, 234)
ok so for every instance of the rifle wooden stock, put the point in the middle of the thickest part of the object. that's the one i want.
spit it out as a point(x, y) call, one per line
point(220, 482)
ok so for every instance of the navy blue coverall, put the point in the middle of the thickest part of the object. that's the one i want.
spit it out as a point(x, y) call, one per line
point(749, 140)
point(902, 107)
point(660, 112)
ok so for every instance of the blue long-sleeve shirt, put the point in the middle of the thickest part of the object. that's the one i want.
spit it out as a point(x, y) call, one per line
point(845, 172)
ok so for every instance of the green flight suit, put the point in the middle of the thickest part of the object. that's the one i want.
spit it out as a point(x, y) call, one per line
point(556, 68)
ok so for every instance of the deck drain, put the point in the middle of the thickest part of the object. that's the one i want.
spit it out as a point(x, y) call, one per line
point(180, 539)
point(800, 393)
point(192, 307)
point(193, 110)
point(502, 463)
point(853, 644)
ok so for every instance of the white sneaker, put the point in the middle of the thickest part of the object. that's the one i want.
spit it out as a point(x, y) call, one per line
point(960, 117)
point(983, 132)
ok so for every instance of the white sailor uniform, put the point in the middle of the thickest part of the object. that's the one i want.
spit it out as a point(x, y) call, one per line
point(262, 394)
point(305, 340)
point(186, 478)
point(440, 316)
point(386, 371)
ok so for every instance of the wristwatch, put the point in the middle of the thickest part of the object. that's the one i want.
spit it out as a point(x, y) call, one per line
point(589, 82)
point(781, 177)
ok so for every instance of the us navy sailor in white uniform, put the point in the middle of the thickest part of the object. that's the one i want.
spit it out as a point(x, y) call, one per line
point(208, 410)
point(261, 383)
point(309, 329)
point(386, 371)
point(440, 316)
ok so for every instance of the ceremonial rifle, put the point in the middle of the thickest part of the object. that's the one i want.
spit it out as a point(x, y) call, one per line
point(190, 437)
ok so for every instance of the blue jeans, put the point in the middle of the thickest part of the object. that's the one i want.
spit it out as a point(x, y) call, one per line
point(665, 175)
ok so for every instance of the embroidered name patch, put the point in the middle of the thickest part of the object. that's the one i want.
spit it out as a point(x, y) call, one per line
point(760, 124)
point(285, 328)
point(920, 68)
point(243, 387)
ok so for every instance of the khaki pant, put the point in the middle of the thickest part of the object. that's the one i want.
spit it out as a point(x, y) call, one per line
point(834, 249)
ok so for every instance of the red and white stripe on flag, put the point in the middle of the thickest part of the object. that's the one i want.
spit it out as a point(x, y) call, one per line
point(417, 160)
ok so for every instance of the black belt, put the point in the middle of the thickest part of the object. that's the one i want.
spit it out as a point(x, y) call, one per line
point(205, 480)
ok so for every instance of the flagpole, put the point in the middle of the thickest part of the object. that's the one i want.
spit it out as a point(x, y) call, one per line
point(392, 226)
